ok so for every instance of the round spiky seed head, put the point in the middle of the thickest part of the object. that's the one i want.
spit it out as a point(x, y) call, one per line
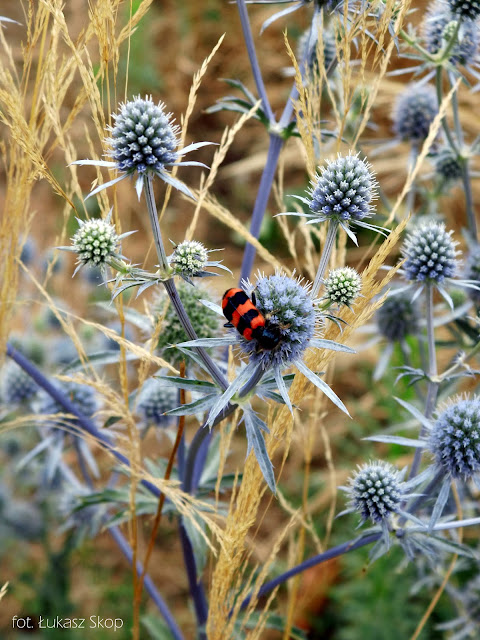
point(376, 491)
point(154, 399)
point(430, 254)
point(83, 397)
point(469, 9)
point(344, 190)
point(414, 111)
point(206, 322)
point(472, 272)
point(455, 438)
point(447, 166)
point(189, 258)
point(343, 285)
point(17, 386)
point(143, 137)
point(309, 54)
point(95, 242)
point(440, 25)
point(289, 306)
point(398, 317)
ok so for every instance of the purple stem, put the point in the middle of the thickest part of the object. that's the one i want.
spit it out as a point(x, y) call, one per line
point(196, 587)
point(252, 55)
point(351, 545)
point(148, 582)
point(276, 144)
point(63, 400)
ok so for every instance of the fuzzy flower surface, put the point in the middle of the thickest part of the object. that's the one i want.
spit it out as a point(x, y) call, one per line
point(414, 111)
point(376, 491)
point(438, 21)
point(468, 9)
point(144, 141)
point(430, 254)
point(398, 317)
point(447, 166)
point(342, 194)
point(16, 385)
point(154, 400)
point(190, 260)
point(455, 439)
point(343, 286)
point(96, 243)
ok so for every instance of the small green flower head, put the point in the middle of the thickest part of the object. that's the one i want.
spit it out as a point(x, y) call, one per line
point(468, 9)
point(95, 242)
point(16, 385)
point(376, 491)
point(343, 286)
point(414, 111)
point(207, 323)
point(455, 438)
point(447, 166)
point(430, 254)
point(154, 399)
point(472, 272)
point(398, 317)
point(189, 258)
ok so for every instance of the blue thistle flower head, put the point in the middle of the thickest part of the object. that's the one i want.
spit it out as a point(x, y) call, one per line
point(468, 9)
point(376, 491)
point(343, 191)
point(430, 254)
point(17, 386)
point(414, 111)
point(472, 272)
point(307, 50)
point(287, 304)
point(447, 166)
point(398, 317)
point(455, 438)
point(438, 22)
point(83, 397)
point(143, 137)
point(154, 399)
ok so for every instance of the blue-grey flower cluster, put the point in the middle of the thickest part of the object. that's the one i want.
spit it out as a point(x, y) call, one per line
point(414, 111)
point(455, 438)
point(95, 242)
point(430, 254)
point(143, 137)
point(307, 50)
point(398, 317)
point(344, 190)
point(343, 286)
point(376, 491)
point(286, 303)
point(447, 166)
point(472, 272)
point(469, 9)
point(190, 258)
point(437, 26)
point(17, 386)
point(154, 399)
point(83, 397)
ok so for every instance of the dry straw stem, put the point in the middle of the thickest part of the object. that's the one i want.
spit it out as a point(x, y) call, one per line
point(3, 590)
point(243, 510)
